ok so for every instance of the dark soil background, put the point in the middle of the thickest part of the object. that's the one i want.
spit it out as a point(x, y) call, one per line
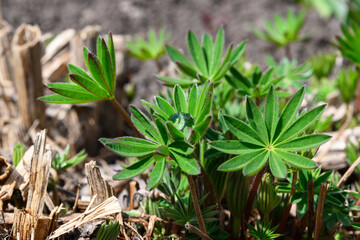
point(177, 16)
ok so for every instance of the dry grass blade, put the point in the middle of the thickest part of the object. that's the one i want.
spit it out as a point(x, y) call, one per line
point(348, 172)
point(108, 207)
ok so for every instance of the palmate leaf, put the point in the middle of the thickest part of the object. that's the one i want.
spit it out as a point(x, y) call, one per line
point(268, 138)
point(207, 60)
point(96, 86)
point(129, 146)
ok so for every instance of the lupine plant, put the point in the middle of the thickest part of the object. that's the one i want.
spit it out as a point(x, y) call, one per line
point(204, 161)
point(283, 31)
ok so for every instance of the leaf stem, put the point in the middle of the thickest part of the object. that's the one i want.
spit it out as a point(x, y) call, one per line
point(288, 51)
point(197, 231)
point(252, 194)
point(126, 117)
point(195, 200)
point(320, 209)
point(285, 216)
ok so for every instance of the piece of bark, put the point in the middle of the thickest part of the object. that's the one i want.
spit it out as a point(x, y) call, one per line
point(97, 185)
point(19, 178)
point(26, 220)
point(26, 49)
point(85, 37)
point(60, 42)
point(6, 69)
point(102, 211)
point(56, 69)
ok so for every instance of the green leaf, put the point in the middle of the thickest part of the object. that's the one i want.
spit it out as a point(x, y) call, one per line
point(180, 100)
point(106, 64)
point(176, 56)
point(208, 47)
point(256, 164)
point(135, 169)
point(73, 91)
point(277, 167)
point(242, 131)
point(193, 99)
point(181, 147)
point(129, 147)
point(59, 99)
point(173, 81)
point(217, 53)
point(301, 124)
point(234, 146)
point(196, 53)
point(175, 133)
point(303, 143)
point(157, 174)
point(165, 106)
point(96, 72)
point(236, 54)
point(86, 52)
point(271, 112)
point(112, 57)
point(163, 131)
point(202, 126)
point(239, 162)
point(145, 125)
point(289, 112)
point(296, 160)
point(187, 163)
point(76, 70)
point(256, 119)
point(90, 85)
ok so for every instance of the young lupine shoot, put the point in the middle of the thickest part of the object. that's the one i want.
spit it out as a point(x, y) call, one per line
point(166, 137)
point(98, 85)
point(283, 30)
point(208, 62)
point(267, 138)
point(349, 44)
point(263, 231)
point(154, 48)
point(255, 86)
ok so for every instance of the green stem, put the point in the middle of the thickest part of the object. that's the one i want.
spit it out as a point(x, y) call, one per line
point(236, 225)
point(195, 200)
point(126, 117)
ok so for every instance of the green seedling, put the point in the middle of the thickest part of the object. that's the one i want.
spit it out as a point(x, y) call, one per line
point(255, 86)
point(283, 31)
point(349, 43)
point(208, 62)
point(97, 86)
point(108, 231)
point(322, 64)
point(266, 138)
point(154, 48)
point(61, 161)
point(263, 231)
point(293, 74)
point(346, 82)
point(19, 151)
